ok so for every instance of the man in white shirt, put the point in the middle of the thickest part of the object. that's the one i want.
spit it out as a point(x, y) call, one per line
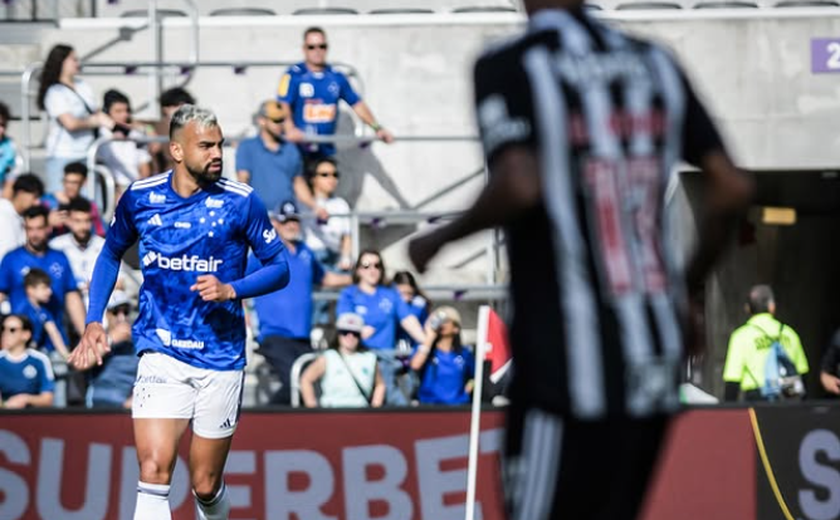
point(26, 192)
point(127, 159)
point(81, 246)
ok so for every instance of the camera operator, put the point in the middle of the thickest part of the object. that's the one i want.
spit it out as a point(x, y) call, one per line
point(443, 364)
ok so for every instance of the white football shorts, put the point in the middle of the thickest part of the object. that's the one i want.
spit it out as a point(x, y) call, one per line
point(166, 388)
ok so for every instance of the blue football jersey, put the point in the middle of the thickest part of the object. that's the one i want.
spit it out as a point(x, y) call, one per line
point(313, 98)
point(30, 373)
point(180, 239)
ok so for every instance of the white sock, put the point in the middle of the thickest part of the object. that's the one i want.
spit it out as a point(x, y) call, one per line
point(152, 502)
point(217, 508)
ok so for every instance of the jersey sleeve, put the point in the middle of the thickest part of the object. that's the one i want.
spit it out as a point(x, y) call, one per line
point(260, 234)
point(345, 301)
point(122, 233)
point(733, 369)
point(46, 378)
point(68, 283)
point(287, 90)
point(6, 275)
point(243, 158)
point(347, 93)
point(403, 309)
point(504, 107)
point(700, 135)
point(797, 353)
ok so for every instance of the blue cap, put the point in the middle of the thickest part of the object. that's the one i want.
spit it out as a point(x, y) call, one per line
point(285, 211)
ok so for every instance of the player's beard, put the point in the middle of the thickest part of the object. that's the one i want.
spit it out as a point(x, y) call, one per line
point(205, 175)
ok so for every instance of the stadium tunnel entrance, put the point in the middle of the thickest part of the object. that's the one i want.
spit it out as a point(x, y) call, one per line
point(790, 241)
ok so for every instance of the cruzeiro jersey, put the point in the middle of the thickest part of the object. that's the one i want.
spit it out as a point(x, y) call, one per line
point(180, 239)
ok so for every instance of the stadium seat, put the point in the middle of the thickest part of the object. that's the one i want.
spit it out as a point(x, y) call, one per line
point(807, 3)
point(143, 13)
point(243, 11)
point(401, 10)
point(324, 10)
point(648, 6)
point(485, 9)
point(726, 4)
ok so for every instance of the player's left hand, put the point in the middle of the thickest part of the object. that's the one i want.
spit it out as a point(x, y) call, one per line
point(212, 290)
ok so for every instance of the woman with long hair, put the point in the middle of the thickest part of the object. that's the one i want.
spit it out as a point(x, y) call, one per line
point(347, 371)
point(329, 239)
point(72, 110)
point(444, 365)
point(383, 311)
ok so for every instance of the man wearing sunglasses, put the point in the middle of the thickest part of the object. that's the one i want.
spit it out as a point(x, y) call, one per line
point(271, 165)
point(311, 90)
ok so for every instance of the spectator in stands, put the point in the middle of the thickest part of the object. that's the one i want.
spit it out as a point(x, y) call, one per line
point(170, 101)
point(45, 333)
point(749, 347)
point(383, 310)
point(75, 176)
point(444, 365)
point(112, 382)
point(329, 237)
point(8, 153)
point(80, 246)
point(126, 159)
point(27, 191)
point(348, 372)
point(411, 294)
point(830, 366)
point(285, 316)
point(271, 165)
point(311, 90)
point(26, 376)
point(36, 254)
point(73, 114)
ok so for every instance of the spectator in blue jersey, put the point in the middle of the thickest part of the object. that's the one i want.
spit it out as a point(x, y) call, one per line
point(384, 311)
point(445, 366)
point(194, 230)
point(36, 254)
point(411, 294)
point(311, 89)
point(111, 383)
point(26, 376)
point(284, 317)
point(45, 333)
point(8, 153)
point(347, 371)
point(27, 191)
point(58, 202)
point(271, 165)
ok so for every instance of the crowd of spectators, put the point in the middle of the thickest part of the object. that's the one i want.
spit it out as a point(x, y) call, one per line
point(382, 350)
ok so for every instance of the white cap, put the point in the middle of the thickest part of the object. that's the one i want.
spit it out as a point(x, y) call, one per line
point(350, 322)
point(118, 298)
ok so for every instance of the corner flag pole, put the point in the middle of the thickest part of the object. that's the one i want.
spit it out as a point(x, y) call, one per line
point(475, 416)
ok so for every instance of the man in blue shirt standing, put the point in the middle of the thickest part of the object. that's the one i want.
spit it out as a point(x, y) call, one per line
point(194, 230)
point(311, 90)
point(272, 166)
point(285, 317)
point(36, 254)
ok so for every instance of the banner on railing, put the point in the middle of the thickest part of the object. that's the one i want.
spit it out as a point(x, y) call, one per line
point(309, 466)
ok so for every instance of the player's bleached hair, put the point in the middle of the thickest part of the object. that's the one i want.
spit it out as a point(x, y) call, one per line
point(188, 113)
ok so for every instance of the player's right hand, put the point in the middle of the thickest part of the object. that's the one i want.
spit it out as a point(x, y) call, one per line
point(91, 348)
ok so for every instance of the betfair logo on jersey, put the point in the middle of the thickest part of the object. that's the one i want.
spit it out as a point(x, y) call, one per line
point(269, 235)
point(183, 263)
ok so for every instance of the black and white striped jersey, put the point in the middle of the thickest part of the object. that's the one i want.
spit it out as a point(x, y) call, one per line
point(596, 329)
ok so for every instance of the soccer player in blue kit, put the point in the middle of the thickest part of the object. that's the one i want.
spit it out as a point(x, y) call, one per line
point(195, 229)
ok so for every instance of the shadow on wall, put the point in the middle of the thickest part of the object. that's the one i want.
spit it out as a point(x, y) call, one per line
point(357, 163)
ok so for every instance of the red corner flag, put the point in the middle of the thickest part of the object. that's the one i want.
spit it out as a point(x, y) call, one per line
point(497, 349)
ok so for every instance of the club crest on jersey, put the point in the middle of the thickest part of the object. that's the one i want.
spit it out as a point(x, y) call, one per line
point(156, 198)
point(213, 203)
point(307, 90)
point(269, 235)
point(29, 372)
